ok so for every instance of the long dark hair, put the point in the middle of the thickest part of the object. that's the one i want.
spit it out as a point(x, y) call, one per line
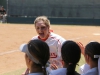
point(71, 54)
point(40, 50)
point(91, 49)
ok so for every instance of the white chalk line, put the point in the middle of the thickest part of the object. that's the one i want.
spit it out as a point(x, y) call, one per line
point(96, 34)
point(8, 52)
point(12, 51)
point(78, 38)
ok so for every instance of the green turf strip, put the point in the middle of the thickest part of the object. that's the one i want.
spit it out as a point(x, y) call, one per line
point(16, 72)
point(20, 71)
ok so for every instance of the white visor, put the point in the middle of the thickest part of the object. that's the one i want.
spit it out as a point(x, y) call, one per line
point(24, 48)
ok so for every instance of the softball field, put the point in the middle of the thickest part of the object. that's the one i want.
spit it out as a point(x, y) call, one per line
point(13, 35)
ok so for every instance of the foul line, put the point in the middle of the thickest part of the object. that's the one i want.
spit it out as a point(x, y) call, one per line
point(8, 52)
point(78, 38)
point(18, 50)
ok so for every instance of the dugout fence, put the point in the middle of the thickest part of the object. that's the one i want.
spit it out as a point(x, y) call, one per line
point(70, 9)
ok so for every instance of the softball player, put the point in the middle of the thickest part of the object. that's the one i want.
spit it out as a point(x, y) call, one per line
point(54, 41)
point(92, 58)
point(71, 55)
point(37, 55)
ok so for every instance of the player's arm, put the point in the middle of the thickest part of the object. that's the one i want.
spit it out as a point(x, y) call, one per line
point(26, 72)
point(81, 47)
point(53, 66)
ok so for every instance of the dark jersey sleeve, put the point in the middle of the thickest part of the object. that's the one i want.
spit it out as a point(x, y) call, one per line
point(3, 12)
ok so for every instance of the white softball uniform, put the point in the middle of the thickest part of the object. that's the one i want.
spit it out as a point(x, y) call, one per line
point(54, 42)
point(60, 71)
point(93, 71)
point(35, 74)
point(84, 68)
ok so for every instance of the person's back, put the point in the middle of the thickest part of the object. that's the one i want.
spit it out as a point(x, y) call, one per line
point(71, 54)
point(61, 71)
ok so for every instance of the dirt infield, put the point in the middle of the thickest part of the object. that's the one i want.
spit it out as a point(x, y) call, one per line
point(13, 35)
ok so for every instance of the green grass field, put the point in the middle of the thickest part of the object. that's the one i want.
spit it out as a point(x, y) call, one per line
point(17, 72)
point(20, 71)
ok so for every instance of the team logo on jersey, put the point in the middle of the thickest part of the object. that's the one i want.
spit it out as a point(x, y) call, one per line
point(53, 55)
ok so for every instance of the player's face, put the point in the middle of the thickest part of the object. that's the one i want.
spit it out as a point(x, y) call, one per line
point(42, 29)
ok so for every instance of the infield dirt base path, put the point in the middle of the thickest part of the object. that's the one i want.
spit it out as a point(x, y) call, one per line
point(13, 35)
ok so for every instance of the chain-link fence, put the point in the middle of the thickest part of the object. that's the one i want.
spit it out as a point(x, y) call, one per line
point(54, 8)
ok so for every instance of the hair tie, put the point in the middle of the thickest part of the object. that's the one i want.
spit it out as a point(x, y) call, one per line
point(96, 56)
point(43, 67)
point(70, 63)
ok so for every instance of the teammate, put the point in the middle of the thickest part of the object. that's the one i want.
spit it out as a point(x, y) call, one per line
point(36, 56)
point(92, 58)
point(54, 41)
point(71, 54)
